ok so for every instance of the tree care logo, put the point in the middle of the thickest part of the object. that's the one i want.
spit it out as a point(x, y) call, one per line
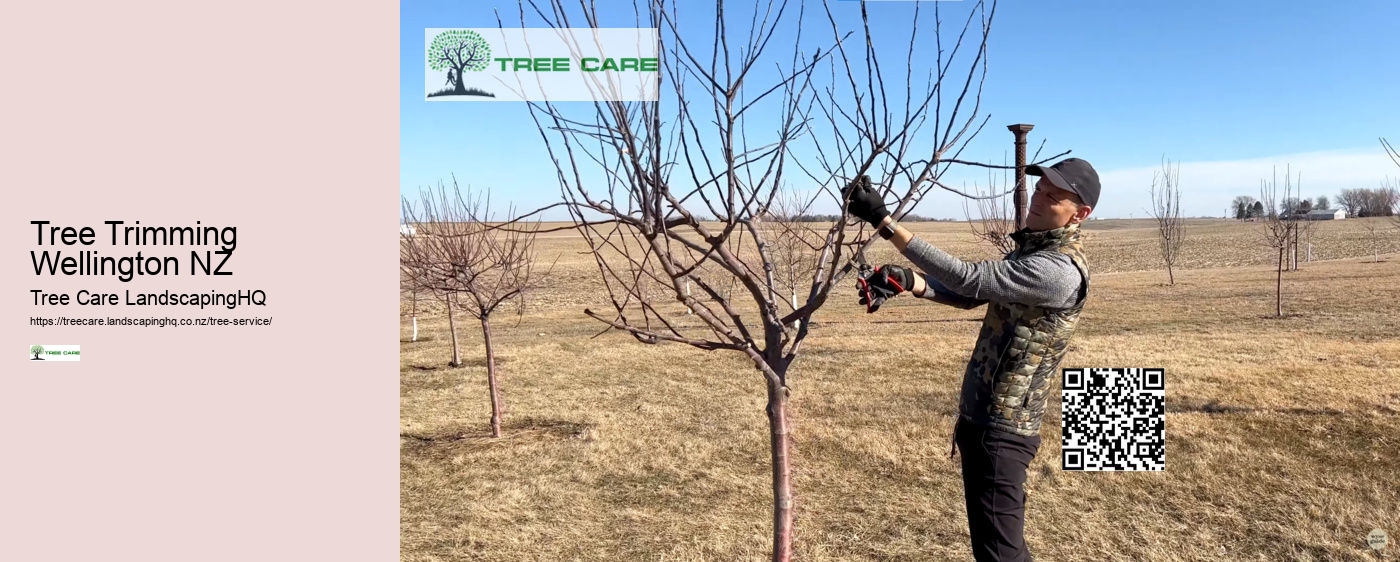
point(54, 353)
point(542, 64)
point(458, 51)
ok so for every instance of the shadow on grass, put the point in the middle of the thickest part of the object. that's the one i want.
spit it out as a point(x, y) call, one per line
point(421, 339)
point(468, 362)
point(1215, 407)
point(481, 361)
point(473, 437)
point(920, 321)
point(1286, 316)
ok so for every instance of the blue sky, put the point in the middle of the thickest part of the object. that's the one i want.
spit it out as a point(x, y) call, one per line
point(1228, 90)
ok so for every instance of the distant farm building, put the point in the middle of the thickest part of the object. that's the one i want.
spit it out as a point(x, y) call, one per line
point(1326, 214)
point(406, 230)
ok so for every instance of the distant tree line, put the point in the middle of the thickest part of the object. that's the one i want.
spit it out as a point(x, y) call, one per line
point(833, 218)
point(1246, 207)
point(1361, 202)
point(1374, 202)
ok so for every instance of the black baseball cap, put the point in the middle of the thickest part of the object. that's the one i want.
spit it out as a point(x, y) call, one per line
point(1074, 175)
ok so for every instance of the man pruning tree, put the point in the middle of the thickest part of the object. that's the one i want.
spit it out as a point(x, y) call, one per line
point(1034, 296)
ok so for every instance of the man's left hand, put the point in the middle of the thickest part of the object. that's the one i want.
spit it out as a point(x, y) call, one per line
point(864, 201)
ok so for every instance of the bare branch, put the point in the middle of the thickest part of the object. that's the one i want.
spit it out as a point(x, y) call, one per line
point(994, 221)
point(1391, 152)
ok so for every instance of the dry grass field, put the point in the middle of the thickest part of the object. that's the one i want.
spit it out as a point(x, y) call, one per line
point(1283, 435)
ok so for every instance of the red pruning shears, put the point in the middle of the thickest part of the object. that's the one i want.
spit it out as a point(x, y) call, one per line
point(863, 275)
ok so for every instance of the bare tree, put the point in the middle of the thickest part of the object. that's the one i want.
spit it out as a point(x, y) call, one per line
point(733, 123)
point(1279, 229)
point(1351, 200)
point(1377, 238)
point(422, 269)
point(408, 288)
point(1302, 233)
point(1388, 198)
point(408, 284)
point(1165, 193)
point(794, 241)
point(995, 219)
point(456, 252)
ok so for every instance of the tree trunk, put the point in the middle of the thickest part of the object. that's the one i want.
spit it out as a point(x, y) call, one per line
point(452, 326)
point(782, 481)
point(796, 324)
point(1278, 295)
point(491, 379)
point(1292, 244)
point(1297, 241)
point(459, 87)
point(1171, 278)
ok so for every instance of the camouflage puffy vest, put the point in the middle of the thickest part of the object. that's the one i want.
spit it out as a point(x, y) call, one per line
point(1020, 347)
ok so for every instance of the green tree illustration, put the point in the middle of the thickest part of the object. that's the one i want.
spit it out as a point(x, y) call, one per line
point(36, 350)
point(458, 50)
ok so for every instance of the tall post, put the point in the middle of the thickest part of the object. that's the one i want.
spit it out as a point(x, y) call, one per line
point(1022, 201)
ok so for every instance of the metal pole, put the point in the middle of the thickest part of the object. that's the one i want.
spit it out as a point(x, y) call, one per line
point(1021, 200)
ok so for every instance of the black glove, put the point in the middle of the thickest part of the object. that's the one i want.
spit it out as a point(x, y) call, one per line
point(864, 202)
point(881, 284)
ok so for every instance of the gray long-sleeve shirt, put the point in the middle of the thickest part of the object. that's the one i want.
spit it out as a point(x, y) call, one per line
point(1047, 279)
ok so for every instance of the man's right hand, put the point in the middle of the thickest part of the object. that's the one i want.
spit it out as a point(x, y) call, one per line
point(883, 283)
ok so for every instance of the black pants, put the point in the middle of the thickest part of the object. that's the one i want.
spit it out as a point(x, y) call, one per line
point(994, 466)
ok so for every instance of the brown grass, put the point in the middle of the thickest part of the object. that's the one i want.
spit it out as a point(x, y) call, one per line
point(1283, 435)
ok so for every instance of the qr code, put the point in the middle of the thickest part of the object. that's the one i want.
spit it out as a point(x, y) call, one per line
point(1114, 419)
